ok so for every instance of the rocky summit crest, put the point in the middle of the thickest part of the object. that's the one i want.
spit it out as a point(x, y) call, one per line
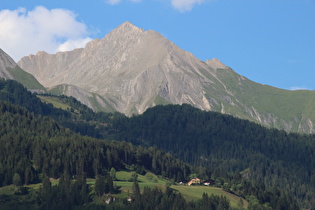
point(128, 26)
point(131, 69)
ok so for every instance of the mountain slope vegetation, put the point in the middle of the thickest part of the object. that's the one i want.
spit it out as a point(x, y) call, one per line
point(70, 113)
point(35, 147)
point(242, 157)
point(40, 143)
point(228, 145)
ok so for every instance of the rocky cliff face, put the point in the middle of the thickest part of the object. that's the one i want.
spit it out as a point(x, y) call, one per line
point(130, 70)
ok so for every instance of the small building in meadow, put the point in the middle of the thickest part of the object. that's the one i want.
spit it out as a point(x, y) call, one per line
point(208, 182)
point(194, 181)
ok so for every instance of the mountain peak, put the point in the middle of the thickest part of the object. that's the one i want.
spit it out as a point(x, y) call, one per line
point(128, 26)
point(127, 23)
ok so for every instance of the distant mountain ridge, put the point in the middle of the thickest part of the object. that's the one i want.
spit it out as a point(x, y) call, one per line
point(10, 70)
point(131, 69)
point(6, 62)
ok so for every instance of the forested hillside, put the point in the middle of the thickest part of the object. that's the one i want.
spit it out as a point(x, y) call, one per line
point(271, 168)
point(270, 158)
point(34, 148)
point(38, 145)
point(76, 117)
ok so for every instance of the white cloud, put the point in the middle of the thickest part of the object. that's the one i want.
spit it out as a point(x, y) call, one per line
point(25, 32)
point(185, 5)
point(73, 44)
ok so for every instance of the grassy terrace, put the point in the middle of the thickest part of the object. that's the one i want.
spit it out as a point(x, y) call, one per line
point(125, 186)
point(189, 192)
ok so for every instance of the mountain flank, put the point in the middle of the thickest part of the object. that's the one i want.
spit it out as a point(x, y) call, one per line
point(10, 70)
point(131, 70)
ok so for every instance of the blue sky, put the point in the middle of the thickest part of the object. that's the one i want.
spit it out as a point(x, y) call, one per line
point(268, 41)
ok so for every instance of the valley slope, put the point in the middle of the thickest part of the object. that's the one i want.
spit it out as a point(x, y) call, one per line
point(131, 70)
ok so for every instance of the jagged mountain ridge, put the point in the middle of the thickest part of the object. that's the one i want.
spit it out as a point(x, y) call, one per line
point(131, 69)
point(10, 70)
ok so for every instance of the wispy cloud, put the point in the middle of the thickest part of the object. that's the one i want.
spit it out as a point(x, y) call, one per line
point(113, 2)
point(25, 32)
point(185, 5)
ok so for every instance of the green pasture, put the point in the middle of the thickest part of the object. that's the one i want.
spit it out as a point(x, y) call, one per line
point(195, 192)
point(124, 183)
point(189, 192)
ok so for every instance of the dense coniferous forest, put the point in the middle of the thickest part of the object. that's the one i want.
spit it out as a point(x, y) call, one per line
point(271, 168)
point(38, 145)
point(32, 147)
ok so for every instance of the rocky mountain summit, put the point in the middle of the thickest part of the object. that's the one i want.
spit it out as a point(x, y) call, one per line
point(131, 69)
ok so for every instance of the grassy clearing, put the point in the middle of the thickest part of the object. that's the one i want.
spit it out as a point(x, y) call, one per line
point(10, 189)
point(149, 180)
point(7, 190)
point(189, 192)
point(54, 101)
point(195, 193)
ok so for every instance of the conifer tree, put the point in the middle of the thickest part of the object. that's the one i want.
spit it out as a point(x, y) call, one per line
point(136, 190)
point(112, 173)
point(100, 185)
point(17, 181)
